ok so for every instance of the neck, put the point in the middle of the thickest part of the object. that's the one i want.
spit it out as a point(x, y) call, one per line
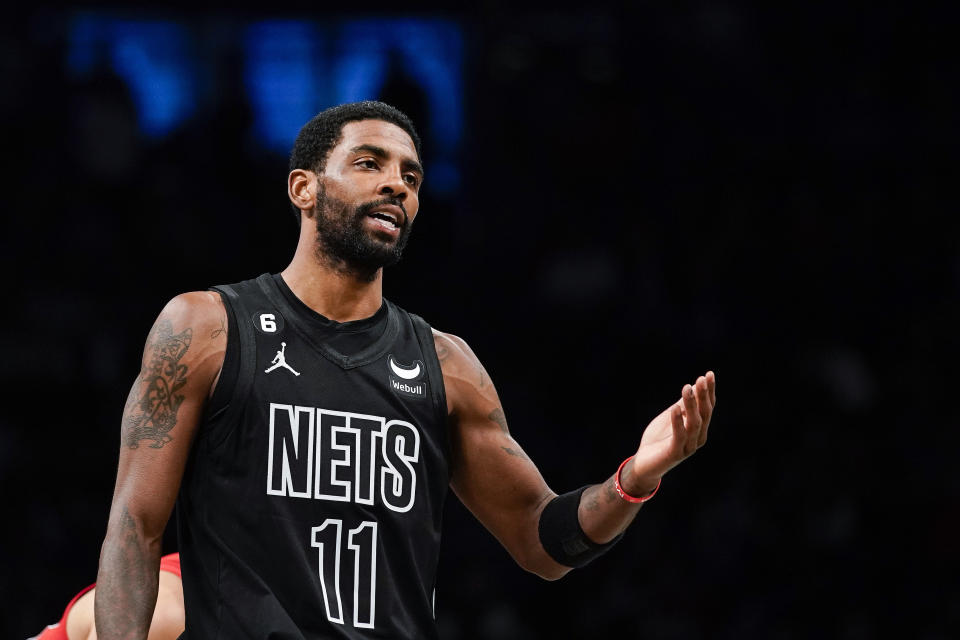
point(333, 293)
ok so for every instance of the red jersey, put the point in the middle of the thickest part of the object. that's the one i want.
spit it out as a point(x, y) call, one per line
point(169, 563)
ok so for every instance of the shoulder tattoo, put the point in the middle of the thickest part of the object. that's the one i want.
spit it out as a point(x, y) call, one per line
point(216, 333)
point(516, 453)
point(442, 351)
point(497, 416)
point(151, 411)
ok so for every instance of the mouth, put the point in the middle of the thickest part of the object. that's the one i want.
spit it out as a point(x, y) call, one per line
point(388, 217)
point(386, 220)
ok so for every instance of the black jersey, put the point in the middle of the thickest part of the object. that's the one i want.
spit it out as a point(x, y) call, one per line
point(312, 499)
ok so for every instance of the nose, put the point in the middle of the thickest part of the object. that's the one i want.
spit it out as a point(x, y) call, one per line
point(394, 186)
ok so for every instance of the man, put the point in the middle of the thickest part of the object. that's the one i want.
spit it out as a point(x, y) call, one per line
point(166, 624)
point(312, 428)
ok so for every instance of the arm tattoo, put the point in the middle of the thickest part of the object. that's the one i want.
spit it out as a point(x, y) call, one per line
point(153, 414)
point(516, 453)
point(125, 596)
point(216, 333)
point(443, 352)
point(606, 492)
point(497, 416)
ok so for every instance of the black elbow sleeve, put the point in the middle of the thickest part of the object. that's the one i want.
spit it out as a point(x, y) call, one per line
point(561, 535)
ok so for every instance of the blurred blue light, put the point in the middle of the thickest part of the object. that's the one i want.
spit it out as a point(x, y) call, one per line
point(358, 76)
point(431, 53)
point(149, 55)
point(289, 74)
point(86, 33)
point(282, 71)
point(443, 176)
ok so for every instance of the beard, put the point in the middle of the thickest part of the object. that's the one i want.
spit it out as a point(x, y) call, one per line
point(345, 245)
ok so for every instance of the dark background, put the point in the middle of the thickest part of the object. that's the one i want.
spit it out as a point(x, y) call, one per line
point(645, 194)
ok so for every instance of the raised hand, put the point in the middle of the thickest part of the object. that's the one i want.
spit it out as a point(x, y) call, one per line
point(672, 436)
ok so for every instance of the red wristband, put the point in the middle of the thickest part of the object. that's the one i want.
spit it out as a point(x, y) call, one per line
point(626, 496)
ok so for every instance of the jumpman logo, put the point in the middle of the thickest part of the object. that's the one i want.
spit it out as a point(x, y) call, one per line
point(280, 360)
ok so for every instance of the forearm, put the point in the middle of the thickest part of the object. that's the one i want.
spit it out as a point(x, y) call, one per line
point(603, 514)
point(127, 581)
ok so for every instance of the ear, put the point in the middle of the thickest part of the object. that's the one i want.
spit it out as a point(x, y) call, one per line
point(302, 190)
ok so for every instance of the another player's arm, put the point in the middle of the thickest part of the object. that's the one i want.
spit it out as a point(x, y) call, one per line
point(168, 619)
point(181, 363)
point(495, 479)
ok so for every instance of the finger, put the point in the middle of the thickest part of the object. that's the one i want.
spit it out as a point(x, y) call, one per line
point(676, 421)
point(703, 398)
point(705, 403)
point(692, 419)
point(712, 386)
point(706, 409)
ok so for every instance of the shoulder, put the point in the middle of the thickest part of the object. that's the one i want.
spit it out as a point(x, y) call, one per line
point(191, 319)
point(78, 622)
point(466, 381)
point(191, 330)
point(195, 308)
point(454, 354)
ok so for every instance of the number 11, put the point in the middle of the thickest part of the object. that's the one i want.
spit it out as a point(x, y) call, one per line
point(326, 538)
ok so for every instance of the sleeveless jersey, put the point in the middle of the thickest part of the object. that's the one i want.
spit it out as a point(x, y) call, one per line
point(311, 503)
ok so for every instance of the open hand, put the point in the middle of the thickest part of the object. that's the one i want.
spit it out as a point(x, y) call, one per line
point(672, 436)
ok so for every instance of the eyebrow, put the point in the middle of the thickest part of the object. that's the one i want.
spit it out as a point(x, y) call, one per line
point(383, 154)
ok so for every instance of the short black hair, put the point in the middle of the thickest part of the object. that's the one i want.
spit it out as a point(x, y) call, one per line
point(324, 131)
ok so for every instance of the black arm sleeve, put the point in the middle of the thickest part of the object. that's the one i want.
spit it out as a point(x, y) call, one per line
point(561, 534)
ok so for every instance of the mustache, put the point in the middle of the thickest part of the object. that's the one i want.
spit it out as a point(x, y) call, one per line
point(364, 209)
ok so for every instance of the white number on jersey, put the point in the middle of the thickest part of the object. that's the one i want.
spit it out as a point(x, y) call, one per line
point(268, 322)
point(362, 541)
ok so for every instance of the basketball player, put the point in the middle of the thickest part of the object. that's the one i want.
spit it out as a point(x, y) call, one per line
point(309, 429)
point(166, 624)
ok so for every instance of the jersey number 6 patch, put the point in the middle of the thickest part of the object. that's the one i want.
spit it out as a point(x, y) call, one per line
point(362, 549)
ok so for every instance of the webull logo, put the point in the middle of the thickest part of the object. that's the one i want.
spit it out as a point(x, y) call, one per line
point(412, 389)
point(405, 378)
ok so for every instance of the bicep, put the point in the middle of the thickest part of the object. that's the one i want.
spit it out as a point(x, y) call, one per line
point(492, 475)
point(165, 405)
point(495, 478)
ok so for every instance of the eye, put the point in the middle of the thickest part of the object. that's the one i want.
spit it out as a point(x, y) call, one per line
point(411, 179)
point(367, 163)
